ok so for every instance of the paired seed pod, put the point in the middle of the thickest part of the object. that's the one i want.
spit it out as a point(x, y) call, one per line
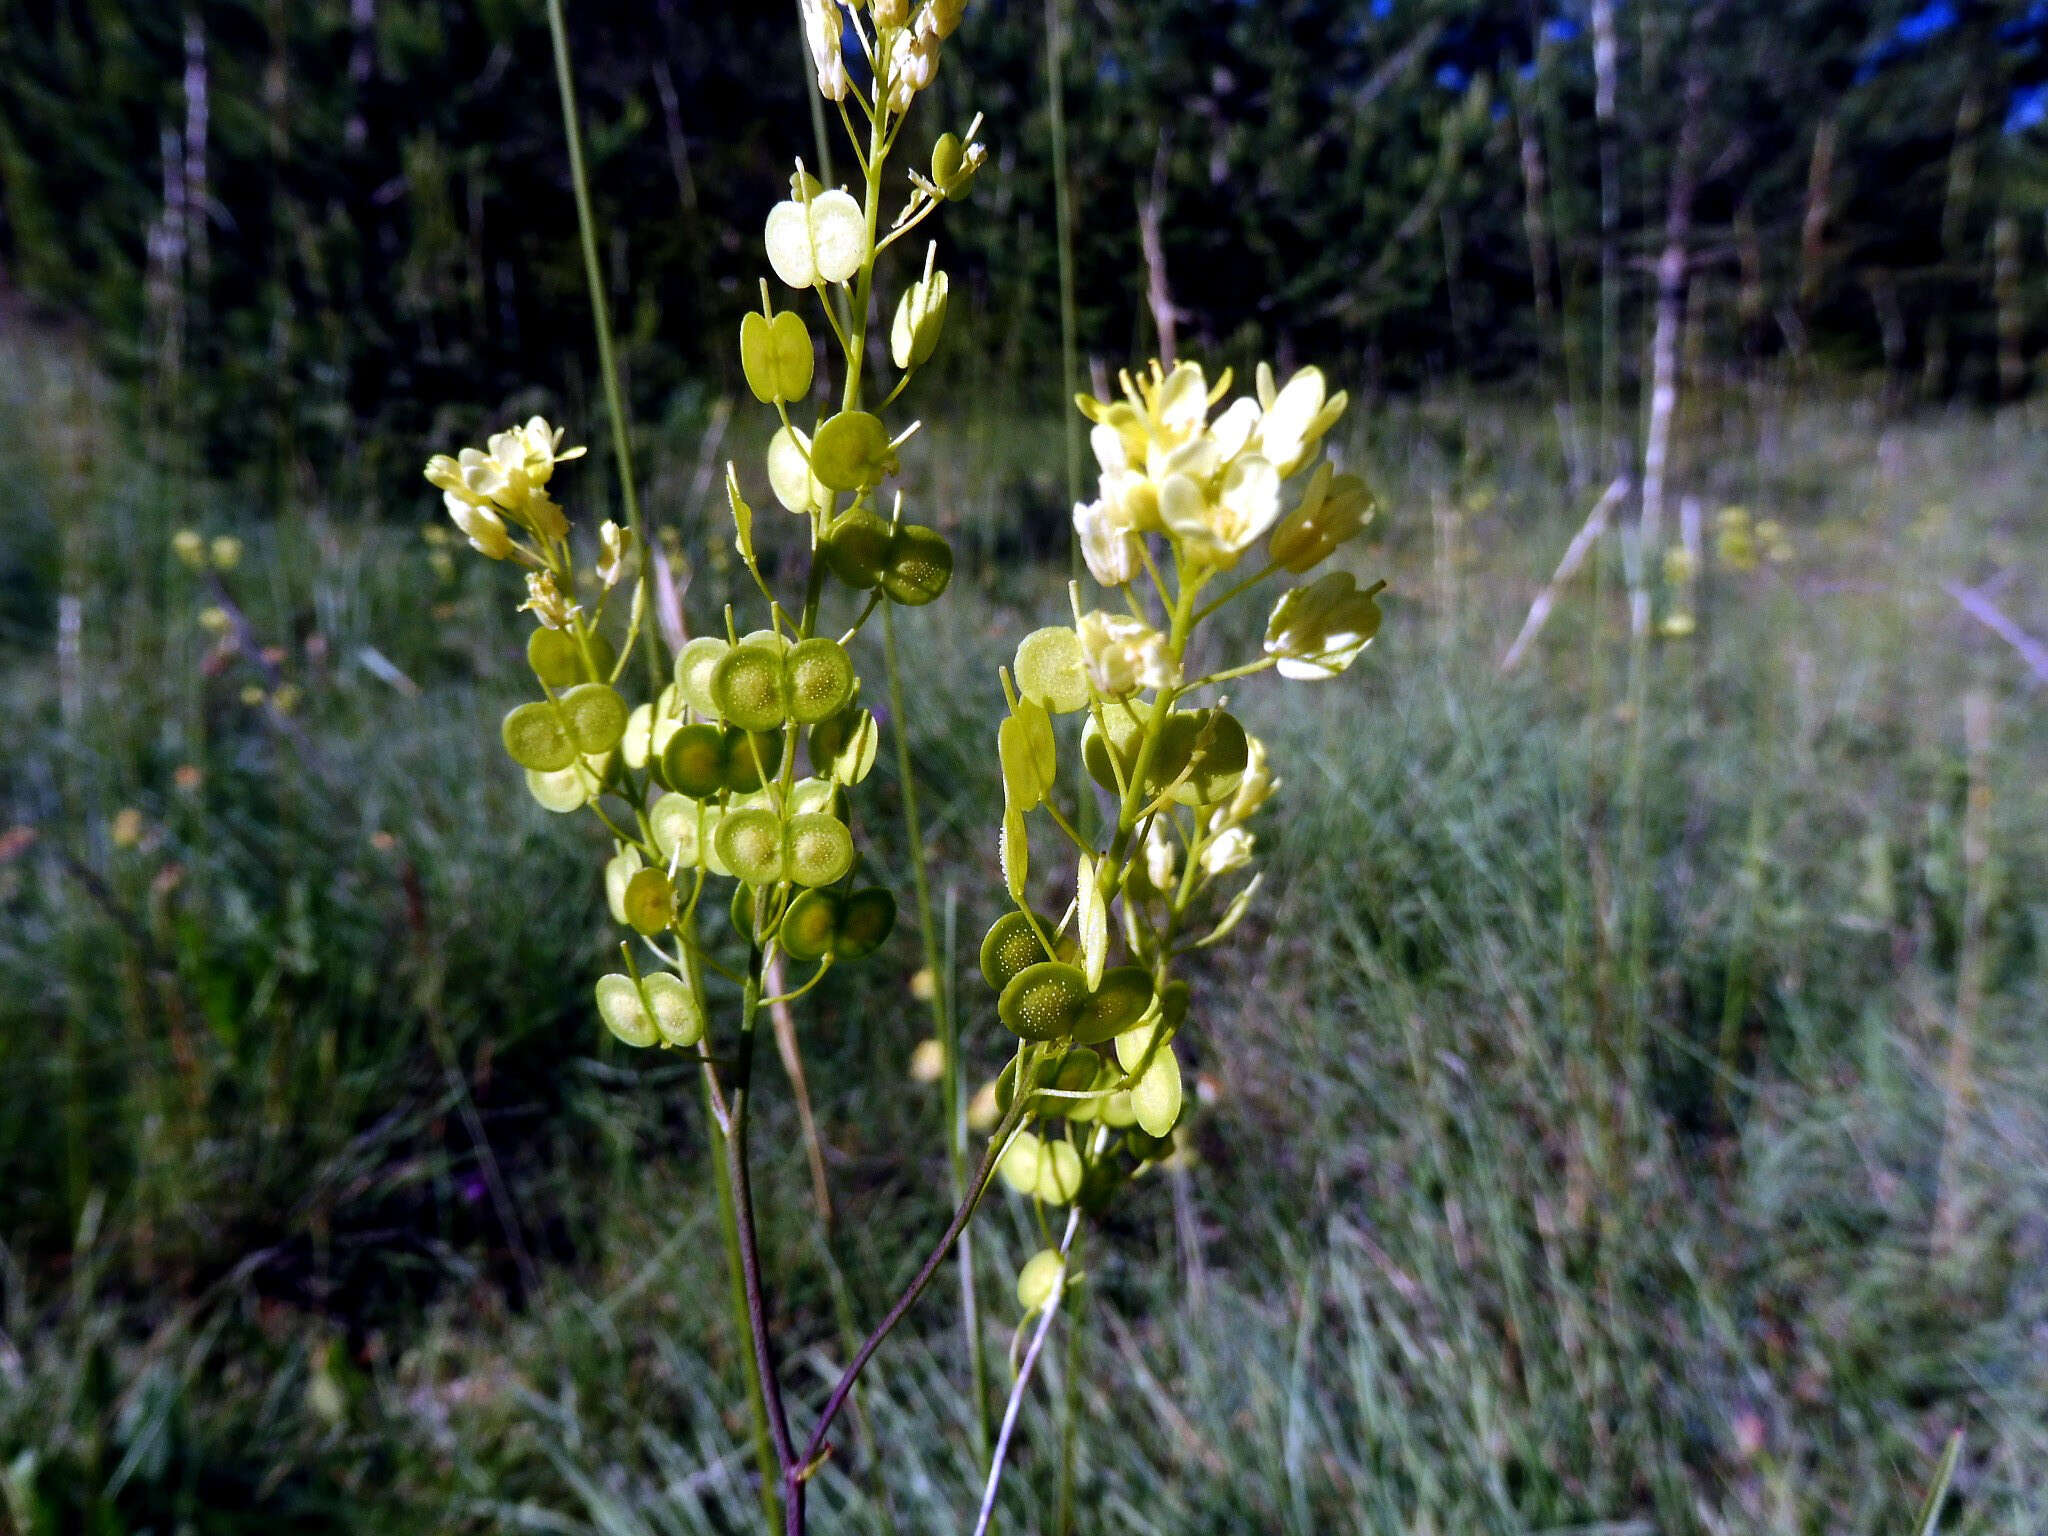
point(1011, 946)
point(1203, 753)
point(819, 924)
point(702, 759)
point(548, 735)
point(760, 848)
point(660, 1009)
point(1052, 1000)
point(764, 680)
point(558, 661)
point(844, 747)
point(912, 564)
point(1047, 1170)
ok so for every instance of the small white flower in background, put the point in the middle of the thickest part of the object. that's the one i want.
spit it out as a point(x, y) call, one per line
point(1106, 544)
point(1230, 850)
point(545, 602)
point(1318, 630)
point(1160, 854)
point(824, 240)
point(614, 544)
point(1124, 654)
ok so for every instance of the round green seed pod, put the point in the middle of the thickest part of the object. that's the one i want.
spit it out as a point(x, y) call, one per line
point(537, 737)
point(618, 1004)
point(649, 901)
point(1156, 1097)
point(678, 1015)
point(1044, 1001)
point(564, 790)
point(820, 795)
point(595, 715)
point(818, 849)
point(750, 761)
point(750, 843)
point(851, 451)
point(865, 921)
point(1052, 669)
point(694, 664)
point(1076, 1073)
point(818, 680)
point(694, 761)
point(557, 660)
point(617, 871)
point(1215, 750)
point(708, 821)
point(1038, 1278)
point(1012, 944)
point(857, 548)
point(920, 564)
point(1126, 721)
point(1019, 1165)
point(747, 687)
point(1116, 1005)
point(1059, 1173)
point(673, 819)
point(810, 926)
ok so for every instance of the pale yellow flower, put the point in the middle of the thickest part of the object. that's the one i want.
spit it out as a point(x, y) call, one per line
point(1124, 654)
point(1108, 546)
point(1231, 850)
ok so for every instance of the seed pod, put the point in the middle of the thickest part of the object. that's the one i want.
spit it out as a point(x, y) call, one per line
point(809, 926)
point(675, 822)
point(649, 901)
point(1012, 944)
point(1044, 1001)
point(595, 716)
point(857, 548)
point(1052, 670)
point(1213, 747)
point(951, 173)
point(695, 761)
point(537, 737)
point(619, 1005)
point(1059, 1173)
point(1156, 1097)
point(1019, 1166)
point(750, 843)
point(1126, 720)
point(851, 452)
point(564, 790)
point(557, 660)
point(750, 761)
point(845, 746)
point(618, 870)
point(776, 356)
point(865, 920)
point(1117, 1112)
point(817, 849)
point(1115, 1006)
point(1076, 1073)
point(919, 567)
point(819, 679)
point(789, 472)
point(821, 795)
point(678, 1014)
point(1039, 1277)
point(694, 665)
point(747, 686)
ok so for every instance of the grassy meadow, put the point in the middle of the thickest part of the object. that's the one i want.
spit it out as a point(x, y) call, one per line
point(1626, 1111)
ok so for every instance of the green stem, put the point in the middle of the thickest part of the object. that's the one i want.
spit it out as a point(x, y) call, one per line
point(593, 271)
point(757, 1404)
point(1070, 362)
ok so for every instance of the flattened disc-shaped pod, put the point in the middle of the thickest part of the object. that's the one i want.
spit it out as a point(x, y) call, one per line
point(1214, 749)
point(819, 680)
point(857, 548)
point(851, 451)
point(1044, 1001)
point(1156, 1097)
point(649, 901)
point(564, 790)
point(750, 761)
point(537, 737)
point(865, 920)
point(920, 565)
point(596, 716)
point(1052, 669)
point(674, 820)
point(618, 1004)
point(1116, 1005)
point(695, 663)
point(694, 761)
point(809, 926)
point(747, 686)
point(678, 1017)
point(845, 746)
point(817, 849)
point(557, 660)
point(1011, 945)
point(750, 843)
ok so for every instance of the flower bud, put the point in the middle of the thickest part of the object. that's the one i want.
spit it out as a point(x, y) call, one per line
point(1333, 510)
point(889, 14)
point(613, 544)
point(920, 318)
point(226, 551)
point(1107, 544)
point(484, 529)
point(945, 15)
point(1230, 850)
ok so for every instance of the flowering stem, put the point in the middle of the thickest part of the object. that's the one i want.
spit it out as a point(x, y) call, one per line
point(607, 357)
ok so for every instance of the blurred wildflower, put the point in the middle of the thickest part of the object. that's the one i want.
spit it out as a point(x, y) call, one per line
point(1125, 654)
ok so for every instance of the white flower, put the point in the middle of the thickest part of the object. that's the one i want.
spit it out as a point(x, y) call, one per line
point(613, 544)
point(1253, 790)
point(484, 529)
point(1218, 528)
point(1230, 850)
point(1296, 417)
point(822, 241)
point(1109, 548)
point(1160, 855)
point(825, 31)
point(1125, 654)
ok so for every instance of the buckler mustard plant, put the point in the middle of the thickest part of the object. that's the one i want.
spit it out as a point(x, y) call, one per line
point(726, 789)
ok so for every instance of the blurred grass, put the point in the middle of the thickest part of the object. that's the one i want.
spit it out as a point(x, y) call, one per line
point(326, 1207)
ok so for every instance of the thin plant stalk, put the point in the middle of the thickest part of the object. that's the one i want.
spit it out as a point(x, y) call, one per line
point(600, 309)
point(1015, 1405)
point(944, 1021)
point(1063, 209)
point(757, 1404)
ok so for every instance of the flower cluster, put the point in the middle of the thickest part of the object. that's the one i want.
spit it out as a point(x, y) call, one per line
point(506, 480)
point(1183, 497)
